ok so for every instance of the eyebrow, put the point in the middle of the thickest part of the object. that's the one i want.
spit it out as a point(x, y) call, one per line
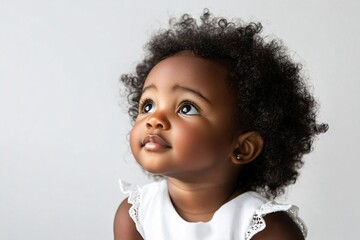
point(193, 91)
point(150, 87)
point(177, 88)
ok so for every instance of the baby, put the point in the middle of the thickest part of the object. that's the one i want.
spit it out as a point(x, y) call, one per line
point(224, 117)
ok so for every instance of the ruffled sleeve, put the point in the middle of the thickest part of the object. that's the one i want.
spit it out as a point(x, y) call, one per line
point(258, 223)
point(134, 196)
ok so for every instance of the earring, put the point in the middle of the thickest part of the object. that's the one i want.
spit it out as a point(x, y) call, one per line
point(238, 157)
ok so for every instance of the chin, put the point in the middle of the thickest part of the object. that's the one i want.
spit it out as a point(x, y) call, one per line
point(152, 168)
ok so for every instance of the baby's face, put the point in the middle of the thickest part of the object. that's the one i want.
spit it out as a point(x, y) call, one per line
point(185, 124)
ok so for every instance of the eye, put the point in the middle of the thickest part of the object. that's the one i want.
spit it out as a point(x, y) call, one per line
point(147, 106)
point(189, 108)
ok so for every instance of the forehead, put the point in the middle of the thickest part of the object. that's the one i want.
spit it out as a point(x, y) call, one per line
point(188, 70)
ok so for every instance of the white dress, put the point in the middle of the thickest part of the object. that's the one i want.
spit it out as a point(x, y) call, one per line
point(241, 218)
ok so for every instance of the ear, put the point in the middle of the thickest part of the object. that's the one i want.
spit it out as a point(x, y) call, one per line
point(249, 145)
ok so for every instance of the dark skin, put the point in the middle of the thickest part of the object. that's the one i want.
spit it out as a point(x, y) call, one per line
point(279, 226)
point(186, 102)
point(124, 226)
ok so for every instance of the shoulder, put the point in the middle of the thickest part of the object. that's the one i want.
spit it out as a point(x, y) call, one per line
point(279, 226)
point(124, 226)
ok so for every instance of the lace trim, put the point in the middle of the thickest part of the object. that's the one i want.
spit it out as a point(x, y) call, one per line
point(258, 223)
point(133, 192)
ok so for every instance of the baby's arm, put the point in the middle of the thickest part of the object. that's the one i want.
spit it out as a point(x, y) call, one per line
point(279, 226)
point(124, 226)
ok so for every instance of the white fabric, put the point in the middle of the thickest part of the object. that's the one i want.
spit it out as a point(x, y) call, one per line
point(241, 218)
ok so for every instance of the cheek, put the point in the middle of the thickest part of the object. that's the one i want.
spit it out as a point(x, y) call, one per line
point(135, 140)
point(197, 142)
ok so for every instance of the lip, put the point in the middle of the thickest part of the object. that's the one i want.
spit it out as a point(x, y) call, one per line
point(155, 143)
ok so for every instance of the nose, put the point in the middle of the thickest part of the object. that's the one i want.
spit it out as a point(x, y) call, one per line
point(158, 120)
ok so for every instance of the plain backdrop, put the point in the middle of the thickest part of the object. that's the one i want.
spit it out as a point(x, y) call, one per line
point(64, 127)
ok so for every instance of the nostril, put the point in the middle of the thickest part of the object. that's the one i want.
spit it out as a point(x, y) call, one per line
point(157, 121)
point(159, 125)
point(148, 125)
point(154, 124)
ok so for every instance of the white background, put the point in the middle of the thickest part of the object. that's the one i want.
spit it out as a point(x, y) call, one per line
point(64, 126)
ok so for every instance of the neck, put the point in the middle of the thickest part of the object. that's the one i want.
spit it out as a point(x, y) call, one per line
point(199, 201)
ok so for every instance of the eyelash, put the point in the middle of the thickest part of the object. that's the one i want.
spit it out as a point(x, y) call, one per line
point(190, 103)
point(145, 101)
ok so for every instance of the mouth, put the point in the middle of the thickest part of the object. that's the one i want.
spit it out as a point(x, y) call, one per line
point(155, 143)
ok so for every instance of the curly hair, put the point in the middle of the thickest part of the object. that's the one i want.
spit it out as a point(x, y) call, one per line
point(268, 87)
